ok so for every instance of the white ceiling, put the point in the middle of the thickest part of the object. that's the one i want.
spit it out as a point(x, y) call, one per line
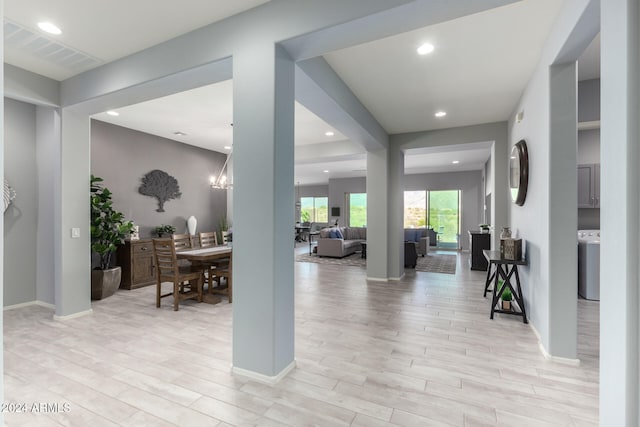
point(477, 72)
point(109, 30)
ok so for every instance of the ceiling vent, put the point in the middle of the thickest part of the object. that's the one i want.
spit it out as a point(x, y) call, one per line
point(40, 46)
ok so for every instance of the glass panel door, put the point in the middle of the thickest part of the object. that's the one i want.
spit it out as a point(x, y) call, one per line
point(444, 216)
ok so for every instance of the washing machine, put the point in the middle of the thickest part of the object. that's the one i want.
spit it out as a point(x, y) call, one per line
point(589, 264)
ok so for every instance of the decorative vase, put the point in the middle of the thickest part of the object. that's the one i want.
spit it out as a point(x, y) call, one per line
point(192, 223)
point(506, 233)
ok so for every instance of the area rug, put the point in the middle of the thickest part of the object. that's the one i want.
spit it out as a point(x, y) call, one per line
point(435, 263)
point(352, 260)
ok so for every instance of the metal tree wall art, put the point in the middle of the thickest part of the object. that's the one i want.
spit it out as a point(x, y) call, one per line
point(160, 185)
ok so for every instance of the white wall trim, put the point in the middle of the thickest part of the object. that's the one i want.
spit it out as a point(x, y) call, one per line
point(265, 379)
point(545, 353)
point(28, 304)
point(378, 279)
point(74, 315)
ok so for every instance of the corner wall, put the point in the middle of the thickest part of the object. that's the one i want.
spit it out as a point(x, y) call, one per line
point(548, 219)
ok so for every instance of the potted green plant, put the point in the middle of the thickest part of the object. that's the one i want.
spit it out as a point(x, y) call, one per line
point(108, 229)
point(163, 229)
point(506, 298)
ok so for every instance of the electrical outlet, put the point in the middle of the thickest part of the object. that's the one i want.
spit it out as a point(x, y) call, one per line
point(75, 233)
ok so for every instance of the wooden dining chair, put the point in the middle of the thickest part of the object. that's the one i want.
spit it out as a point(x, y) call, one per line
point(217, 268)
point(222, 271)
point(186, 285)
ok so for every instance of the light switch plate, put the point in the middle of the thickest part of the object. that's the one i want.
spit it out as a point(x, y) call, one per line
point(75, 233)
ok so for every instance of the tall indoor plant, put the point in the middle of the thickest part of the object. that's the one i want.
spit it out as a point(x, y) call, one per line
point(108, 229)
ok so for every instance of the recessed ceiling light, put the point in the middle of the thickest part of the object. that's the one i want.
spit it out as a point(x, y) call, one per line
point(49, 28)
point(179, 133)
point(227, 147)
point(441, 114)
point(329, 133)
point(425, 49)
point(113, 113)
point(325, 171)
point(455, 162)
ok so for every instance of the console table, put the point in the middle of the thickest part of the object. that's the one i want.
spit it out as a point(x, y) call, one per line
point(505, 269)
point(136, 259)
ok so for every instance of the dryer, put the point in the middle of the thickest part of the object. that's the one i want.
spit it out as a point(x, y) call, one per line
point(589, 264)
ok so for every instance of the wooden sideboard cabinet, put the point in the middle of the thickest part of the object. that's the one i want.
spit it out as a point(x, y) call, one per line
point(477, 242)
point(136, 259)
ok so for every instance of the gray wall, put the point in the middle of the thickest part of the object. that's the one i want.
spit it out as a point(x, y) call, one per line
point(123, 156)
point(547, 220)
point(21, 218)
point(471, 185)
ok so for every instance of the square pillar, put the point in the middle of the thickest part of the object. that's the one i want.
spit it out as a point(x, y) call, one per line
point(377, 215)
point(620, 214)
point(72, 210)
point(263, 218)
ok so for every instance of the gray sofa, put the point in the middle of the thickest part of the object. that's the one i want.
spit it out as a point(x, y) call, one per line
point(419, 236)
point(339, 248)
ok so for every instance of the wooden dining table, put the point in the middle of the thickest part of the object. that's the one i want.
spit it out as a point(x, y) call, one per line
point(205, 255)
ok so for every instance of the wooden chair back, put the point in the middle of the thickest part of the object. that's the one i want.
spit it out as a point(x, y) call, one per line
point(181, 241)
point(208, 239)
point(166, 262)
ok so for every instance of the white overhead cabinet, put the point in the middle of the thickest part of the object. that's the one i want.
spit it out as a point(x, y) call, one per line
point(589, 185)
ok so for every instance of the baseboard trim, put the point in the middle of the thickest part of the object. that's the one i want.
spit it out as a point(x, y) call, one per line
point(265, 379)
point(74, 315)
point(545, 353)
point(28, 304)
point(396, 279)
point(378, 279)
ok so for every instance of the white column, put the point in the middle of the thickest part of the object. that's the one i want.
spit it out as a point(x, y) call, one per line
point(377, 214)
point(396, 212)
point(263, 200)
point(619, 214)
point(72, 210)
point(47, 149)
point(563, 217)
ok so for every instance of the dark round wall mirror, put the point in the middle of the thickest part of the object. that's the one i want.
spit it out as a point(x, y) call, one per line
point(519, 172)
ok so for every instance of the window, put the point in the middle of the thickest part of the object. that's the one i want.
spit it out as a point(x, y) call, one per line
point(314, 209)
point(357, 209)
point(415, 209)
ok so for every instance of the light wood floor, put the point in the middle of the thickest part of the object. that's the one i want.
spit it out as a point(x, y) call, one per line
point(419, 352)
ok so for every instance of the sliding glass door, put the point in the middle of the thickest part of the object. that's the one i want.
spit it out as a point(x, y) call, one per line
point(439, 210)
point(444, 216)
